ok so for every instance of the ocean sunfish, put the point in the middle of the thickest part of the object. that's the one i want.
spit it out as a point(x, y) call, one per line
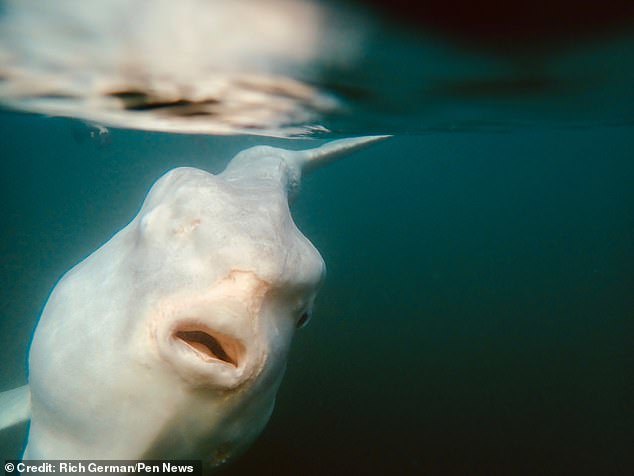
point(170, 341)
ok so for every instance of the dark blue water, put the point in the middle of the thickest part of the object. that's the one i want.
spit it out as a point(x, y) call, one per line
point(477, 316)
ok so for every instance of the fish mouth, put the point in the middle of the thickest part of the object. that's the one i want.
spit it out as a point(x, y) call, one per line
point(210, 346)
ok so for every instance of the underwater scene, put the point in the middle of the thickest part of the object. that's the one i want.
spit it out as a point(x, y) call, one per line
point(455, 296)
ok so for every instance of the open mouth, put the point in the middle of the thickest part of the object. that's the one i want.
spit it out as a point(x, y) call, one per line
point(211, 346)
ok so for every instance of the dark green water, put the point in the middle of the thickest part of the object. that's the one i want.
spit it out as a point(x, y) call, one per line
point(477, 317)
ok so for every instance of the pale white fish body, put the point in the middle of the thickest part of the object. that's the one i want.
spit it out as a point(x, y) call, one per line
point(170, 341)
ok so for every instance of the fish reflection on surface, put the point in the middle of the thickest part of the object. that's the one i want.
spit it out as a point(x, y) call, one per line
point(193, 66)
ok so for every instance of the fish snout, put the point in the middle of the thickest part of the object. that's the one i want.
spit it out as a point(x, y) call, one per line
point(213, 339)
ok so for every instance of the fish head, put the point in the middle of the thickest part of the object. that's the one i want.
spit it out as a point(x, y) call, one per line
point(171, 340)
point(235, 277)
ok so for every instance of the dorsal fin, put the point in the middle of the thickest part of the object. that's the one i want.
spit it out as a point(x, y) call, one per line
point(330, 151)
point(284, 167)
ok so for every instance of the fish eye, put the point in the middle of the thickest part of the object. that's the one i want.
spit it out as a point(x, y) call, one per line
point(303, 320)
